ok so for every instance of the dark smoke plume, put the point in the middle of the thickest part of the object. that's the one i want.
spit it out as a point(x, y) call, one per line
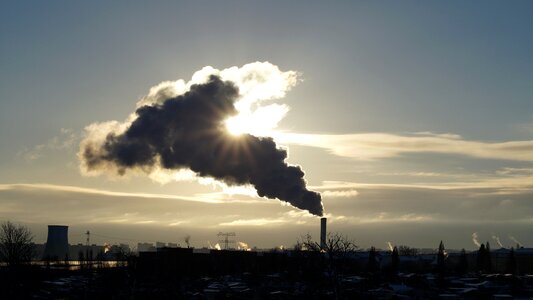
point(188, 131)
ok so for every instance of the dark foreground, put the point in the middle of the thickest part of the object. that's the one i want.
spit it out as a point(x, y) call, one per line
point(238, 275)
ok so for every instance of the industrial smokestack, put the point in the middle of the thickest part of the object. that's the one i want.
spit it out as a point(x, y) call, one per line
point(323, 224)
point(57, 242)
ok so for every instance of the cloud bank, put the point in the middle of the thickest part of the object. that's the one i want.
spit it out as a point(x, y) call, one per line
point(368, 146)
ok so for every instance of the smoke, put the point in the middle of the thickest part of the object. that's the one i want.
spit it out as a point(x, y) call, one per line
point(181, 126)
point(512, 238)
point(497, 239)
point(390, 246)
point(187, 240)
point(475, 240)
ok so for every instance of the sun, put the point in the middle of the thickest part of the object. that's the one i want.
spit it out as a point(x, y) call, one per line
point(247, 123)
point(236, 125)
point(260, 122)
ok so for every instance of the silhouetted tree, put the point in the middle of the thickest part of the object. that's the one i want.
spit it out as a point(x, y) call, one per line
point(337, 249)
point(481, 258)
point(372, 265)
point(16, 245)
point(440, 258)
point(488, 259)
point(462, 265)
point(511, 267)
point(337, 245)
point(484, 260)
point(395, 261)
point(407, 251)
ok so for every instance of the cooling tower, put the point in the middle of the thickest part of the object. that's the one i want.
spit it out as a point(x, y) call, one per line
point(57, 243)
point(323, 223)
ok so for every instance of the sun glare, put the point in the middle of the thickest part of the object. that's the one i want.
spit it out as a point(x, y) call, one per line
point(260, 122)
point(242, 124)
point(235, 125)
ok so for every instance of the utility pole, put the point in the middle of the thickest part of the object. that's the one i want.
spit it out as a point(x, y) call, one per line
point(87, 246)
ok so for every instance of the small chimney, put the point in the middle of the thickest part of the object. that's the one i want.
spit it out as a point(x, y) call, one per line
point(323, 223)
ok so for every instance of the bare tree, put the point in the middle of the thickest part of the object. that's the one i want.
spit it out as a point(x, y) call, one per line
point(337, 245)
point(337, 250)
point(16, 246)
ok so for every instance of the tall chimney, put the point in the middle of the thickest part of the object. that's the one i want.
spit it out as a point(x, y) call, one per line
point(323, 223)
point(57, 243)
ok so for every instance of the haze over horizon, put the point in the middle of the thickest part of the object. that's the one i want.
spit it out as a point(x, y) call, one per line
point(413, 121)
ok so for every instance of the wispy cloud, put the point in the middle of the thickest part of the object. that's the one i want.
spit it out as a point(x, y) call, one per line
point(418, 174)
point(66, 140)
point(339, 193)
point(515, 171)
point(177, 223)
point(523, 183)
point(253, 222)
point(292, 216)
point(385, 217)
point(368, 146)
point(66, 188)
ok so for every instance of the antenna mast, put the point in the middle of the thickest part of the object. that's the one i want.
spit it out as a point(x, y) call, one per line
point(88, 234)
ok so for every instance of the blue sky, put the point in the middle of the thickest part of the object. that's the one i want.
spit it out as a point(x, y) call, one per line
point(397, 68)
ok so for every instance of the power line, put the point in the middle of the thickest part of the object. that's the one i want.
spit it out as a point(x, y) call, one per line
point(226, 240)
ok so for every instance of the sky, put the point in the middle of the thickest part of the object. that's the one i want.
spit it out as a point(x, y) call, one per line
point(414, 120)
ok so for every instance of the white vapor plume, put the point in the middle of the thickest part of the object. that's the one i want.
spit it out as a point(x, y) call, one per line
point(390, 246)
point(497, 239)
point(243, 246)
point(512, 238)
point(215, 247)
point(475, 240)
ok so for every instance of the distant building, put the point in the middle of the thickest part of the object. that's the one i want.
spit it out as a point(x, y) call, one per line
point(145, 247)
point(81, 251)
point(125, 247)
